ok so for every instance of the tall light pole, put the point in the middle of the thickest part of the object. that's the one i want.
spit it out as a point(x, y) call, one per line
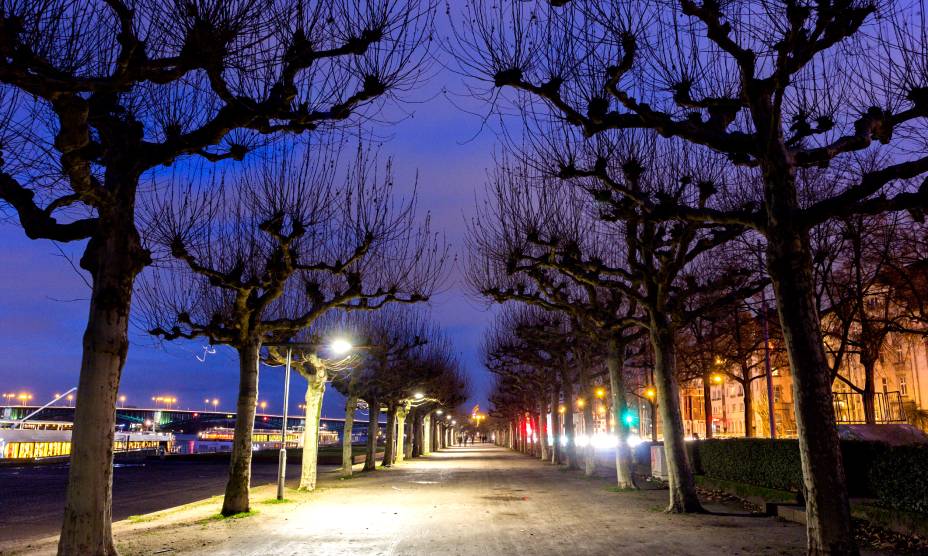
point(282, 460)
point(763, 301)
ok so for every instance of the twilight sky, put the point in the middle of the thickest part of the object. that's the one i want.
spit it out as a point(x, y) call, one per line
point(43, 300)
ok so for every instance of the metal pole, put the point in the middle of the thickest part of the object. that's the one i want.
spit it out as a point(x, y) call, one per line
point(773, 425)
point(763, 301)
point(282, 460)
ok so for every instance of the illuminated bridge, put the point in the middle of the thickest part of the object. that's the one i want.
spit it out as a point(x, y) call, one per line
point(180, 421)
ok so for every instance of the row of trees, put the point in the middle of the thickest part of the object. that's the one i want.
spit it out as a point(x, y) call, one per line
point(137, 127)
point(663, 141)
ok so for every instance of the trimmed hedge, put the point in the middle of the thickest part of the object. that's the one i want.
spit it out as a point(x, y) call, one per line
point(900, 478)
point(753, 461)
point(897, 477)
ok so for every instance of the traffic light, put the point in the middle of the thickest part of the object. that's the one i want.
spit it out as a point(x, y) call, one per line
point(630, 417)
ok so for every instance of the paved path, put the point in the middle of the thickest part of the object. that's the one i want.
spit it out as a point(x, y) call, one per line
point(478, 500)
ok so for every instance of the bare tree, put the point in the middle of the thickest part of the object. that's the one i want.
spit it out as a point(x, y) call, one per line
point(666, 269)
point(860, 310)
point(109, 92)
point(496, 272)
point(835, 88)
point(262, 266)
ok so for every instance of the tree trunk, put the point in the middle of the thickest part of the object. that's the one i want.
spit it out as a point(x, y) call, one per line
point(373, 426)
point(417, 435)
point(347, 449)
point(239, 485)
point(410, 433)
point(748, 409)
point(542, 431)
point(615, 360)
point(828, 519)
point(315, 390)
point(868, 396)
point(683, 498)
point(572, 461)
point(113, 262)
point(556, 449)
point(390, 437)
point(589, 451)
point(401, 433)
point(426, 434)
point(707, 402)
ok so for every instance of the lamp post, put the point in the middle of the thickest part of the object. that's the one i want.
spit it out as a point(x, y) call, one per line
point(338, 347)
point(767, 370)
point(282, 461)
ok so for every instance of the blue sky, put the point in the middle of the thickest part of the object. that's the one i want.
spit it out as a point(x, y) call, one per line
point(43, 300)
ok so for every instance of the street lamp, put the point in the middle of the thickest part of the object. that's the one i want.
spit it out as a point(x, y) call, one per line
point(600, 392)
point(340, 346)
point(215, 403)
point(122, 400)
point(439, 412)
point(418, 395)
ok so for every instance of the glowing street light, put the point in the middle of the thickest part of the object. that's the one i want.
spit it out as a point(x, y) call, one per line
point(439, 412)
point(717, 378)
point(215, 403)
point(561, 409)
point(122, 400)
point(24, 397)
point(418, 395)
point(263, 405)
point(600, 392)
point(650, 393)
point(581, 402)
point(340, 346)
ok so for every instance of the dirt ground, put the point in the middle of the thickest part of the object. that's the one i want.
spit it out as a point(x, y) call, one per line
point(479, 500)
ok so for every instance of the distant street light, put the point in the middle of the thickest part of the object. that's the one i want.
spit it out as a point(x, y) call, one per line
point(439, 412)
point(122, 400)
point(418, 395)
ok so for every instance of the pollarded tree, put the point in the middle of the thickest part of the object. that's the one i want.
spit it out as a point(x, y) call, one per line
point(371, 333)
point(781, 89)
point(108, 92)
point(511, 349)
point(495, 239)
point(310, 361)
point(667, 269)
point(259, 266)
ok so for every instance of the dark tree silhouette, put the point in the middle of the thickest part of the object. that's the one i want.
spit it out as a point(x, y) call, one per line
point(837, 87)
point(107, 92)
point(261, 266)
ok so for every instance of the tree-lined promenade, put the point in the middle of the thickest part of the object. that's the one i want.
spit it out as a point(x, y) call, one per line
point(667, 168)
point(473, 500)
